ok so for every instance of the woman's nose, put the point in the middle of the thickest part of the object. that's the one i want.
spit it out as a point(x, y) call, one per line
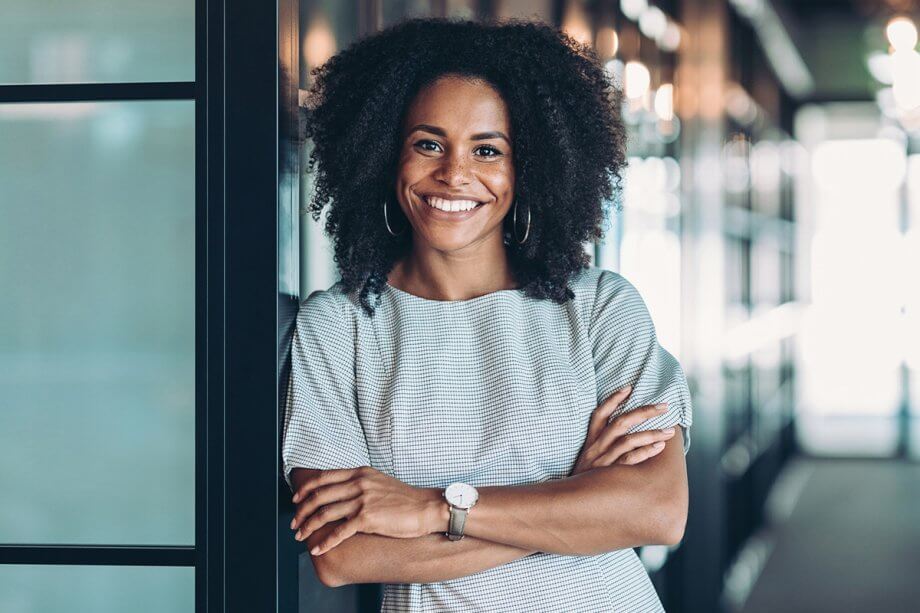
point(453, 170)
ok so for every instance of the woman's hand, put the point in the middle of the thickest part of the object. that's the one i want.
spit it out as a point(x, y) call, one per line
point(371, 501)
point(608, 443)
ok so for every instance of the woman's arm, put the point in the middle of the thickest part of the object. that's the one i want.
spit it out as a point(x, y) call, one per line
point(606, 508)
point(364, 557)
point(603, 509)
point(371, 558)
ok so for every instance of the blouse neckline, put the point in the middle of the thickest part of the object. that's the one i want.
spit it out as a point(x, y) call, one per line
point(406, 296)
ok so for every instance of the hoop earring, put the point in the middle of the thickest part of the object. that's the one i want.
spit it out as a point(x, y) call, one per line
point(514, 225)
point(386, 221)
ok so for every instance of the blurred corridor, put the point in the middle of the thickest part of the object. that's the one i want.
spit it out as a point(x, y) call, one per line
point(770, 217)
point(848, 543)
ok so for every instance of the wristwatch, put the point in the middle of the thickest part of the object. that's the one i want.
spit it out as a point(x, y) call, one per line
point(460, 498)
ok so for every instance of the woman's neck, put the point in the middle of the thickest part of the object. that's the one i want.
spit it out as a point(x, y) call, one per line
point(451, 277)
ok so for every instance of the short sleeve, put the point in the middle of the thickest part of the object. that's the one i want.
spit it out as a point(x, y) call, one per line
point(321, 426)
point(626, 352)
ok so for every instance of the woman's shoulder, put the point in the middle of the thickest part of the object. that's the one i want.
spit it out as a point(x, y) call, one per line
point(326, 309)
point(611, 297)
point(593, 284)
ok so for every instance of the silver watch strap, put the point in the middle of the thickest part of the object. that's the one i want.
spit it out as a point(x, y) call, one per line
point(457, 521)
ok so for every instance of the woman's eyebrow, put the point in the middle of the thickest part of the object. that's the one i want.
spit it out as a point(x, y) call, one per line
point(424, 127)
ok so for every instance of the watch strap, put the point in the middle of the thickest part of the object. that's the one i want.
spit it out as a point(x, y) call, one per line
point(457, 521)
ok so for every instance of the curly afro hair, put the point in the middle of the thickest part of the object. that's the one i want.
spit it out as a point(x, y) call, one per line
point(569, 141)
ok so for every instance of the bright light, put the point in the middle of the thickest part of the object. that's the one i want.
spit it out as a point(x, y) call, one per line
point(607, 42)
point(902, 34)
point(762, 330)
point(633, 9)
point(859, 273)
point(652, 22)
point(575, 23)
point(670, 38)
point(664, 102)
point(844, 166)
point(318, 43)
point(880, 67)
point(905, 70)
point(637, 79)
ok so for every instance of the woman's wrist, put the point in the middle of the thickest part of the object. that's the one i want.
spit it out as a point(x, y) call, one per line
point(436, 514)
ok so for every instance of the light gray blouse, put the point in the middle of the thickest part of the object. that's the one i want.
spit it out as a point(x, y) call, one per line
point(494, 390)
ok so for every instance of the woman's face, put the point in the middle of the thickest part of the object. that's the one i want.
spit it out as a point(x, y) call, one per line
point(456, 147)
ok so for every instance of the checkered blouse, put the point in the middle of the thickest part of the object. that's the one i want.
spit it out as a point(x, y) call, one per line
point(494, 390)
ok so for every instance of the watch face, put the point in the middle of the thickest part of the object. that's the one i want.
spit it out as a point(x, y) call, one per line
point(461, 495)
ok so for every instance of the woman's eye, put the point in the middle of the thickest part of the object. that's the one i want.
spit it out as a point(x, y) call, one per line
point(495, 152)
point(422, 144)
point(434, 146)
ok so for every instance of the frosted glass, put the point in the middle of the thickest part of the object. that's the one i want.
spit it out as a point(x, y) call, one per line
point(92, 41)
point(97, 341)
point(96, 589)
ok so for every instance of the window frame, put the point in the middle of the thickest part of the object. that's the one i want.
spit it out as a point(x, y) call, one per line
point(242, 102)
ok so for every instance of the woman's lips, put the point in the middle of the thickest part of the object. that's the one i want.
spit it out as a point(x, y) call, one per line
point(437, 213)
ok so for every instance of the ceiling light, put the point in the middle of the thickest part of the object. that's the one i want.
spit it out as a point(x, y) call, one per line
point(902, 34)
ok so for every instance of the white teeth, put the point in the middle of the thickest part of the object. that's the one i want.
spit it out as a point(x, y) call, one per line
point(451, 205)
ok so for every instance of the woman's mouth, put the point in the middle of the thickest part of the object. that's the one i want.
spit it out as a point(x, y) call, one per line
point(459, 209)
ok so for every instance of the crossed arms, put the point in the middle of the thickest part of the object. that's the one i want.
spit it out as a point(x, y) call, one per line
point(603, 509)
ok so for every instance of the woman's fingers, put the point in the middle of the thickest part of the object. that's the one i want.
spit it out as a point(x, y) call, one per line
point(325, 477)
point(632, 442)
point(603, 412)
point(637, 456)
point(328, 513)
point(323, 496)
point(340, 533)
point(622, 423)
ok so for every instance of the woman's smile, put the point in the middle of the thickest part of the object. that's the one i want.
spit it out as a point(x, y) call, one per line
point(455, 176)
point(450, 209)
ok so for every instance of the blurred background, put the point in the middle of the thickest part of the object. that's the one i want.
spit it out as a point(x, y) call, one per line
point(770, 218)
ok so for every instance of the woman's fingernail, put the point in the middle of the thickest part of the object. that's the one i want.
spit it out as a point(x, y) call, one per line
point(668, 431)
point(663, 406)
point(293, 523)
point(625, 389)
point(658, 445)
point(315, 550)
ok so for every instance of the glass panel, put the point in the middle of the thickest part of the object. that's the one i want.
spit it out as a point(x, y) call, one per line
point(96, 589)
point(97, 346)
point(92, 41)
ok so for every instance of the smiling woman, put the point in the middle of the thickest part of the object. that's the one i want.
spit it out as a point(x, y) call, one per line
point(515, 115)
point(502, 426)
point(455, 184)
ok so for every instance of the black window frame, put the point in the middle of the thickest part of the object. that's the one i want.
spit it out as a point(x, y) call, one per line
point(245, 127)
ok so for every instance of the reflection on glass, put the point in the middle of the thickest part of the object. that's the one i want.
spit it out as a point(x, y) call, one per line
point(96, 589)
point(93, 41)
point(97, 348)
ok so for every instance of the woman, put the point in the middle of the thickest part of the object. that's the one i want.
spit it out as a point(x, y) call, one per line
point(462, 437)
